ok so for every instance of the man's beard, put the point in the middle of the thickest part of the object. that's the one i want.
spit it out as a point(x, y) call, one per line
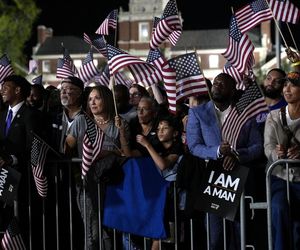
point(272, 93)
point(219, 98)
point(64, 101)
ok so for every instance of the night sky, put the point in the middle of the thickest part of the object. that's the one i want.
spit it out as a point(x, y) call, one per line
point(77, 17)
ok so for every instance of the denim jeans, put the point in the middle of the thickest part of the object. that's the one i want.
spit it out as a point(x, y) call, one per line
point(284, 232)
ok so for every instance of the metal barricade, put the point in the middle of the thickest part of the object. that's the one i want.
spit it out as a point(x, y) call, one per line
point(285, 162)
point(59, 217)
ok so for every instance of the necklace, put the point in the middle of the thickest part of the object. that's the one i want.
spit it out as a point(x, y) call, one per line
point(101, 122)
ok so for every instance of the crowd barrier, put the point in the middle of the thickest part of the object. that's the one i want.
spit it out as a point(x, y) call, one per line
point(58, 236)
point(286, 163)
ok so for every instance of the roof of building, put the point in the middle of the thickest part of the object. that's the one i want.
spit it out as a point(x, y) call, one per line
point(52, 45)
point(210, 39)
point(189, 39)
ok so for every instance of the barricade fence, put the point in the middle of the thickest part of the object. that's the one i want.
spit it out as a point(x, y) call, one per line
point(287, 163)
point(63, 227)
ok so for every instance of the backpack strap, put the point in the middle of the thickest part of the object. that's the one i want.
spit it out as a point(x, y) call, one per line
point(286, 128)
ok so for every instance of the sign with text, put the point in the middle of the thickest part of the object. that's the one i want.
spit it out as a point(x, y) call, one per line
point(221, 190)
point(9, 181)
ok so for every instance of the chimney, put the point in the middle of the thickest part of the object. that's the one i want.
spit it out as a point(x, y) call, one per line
point(43, 33)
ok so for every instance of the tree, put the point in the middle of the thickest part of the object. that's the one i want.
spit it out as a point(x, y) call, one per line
point(16, 20)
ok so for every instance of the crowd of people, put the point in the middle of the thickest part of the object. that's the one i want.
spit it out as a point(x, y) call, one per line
point(135, 124)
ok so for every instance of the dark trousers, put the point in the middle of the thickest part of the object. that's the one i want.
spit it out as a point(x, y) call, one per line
point(285, 228)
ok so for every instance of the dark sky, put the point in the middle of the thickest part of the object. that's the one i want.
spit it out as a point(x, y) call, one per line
point(76, 17)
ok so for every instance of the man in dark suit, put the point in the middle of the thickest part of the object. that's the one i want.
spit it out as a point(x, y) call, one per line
point(15, 144)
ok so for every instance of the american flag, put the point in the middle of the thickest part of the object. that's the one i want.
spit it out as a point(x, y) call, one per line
point(92, 145)
point(39, 150)
point(240, 47)
point(109, 22)
point(251, 103)
point(88, 69)
point(122, 79)
point(285, 11)
point(169, 77)
point(97, 41)
point(169, 27)
point(142, 74)
point(87, 39)
point(65, 66)
point(100, 44)
point(234, 73)
point(253, 14)
point(103, 77)
point(68, 58)
point(189, 78)
point(118, 59)
point(32, 67)
point(238, 76)
point(155, 58)
point(5, 68)
point(12, 239)
point(38, 80)
point(155, 22)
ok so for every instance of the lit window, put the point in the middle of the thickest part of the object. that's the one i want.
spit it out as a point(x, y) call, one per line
point(77, 63)
point(213, 61)
point(46, 66)
point(143, 32)
point(95, 61)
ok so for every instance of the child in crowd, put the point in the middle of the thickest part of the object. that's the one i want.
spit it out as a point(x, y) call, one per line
point(169, 134)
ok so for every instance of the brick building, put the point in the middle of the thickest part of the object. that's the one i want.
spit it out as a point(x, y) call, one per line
point(134, 31)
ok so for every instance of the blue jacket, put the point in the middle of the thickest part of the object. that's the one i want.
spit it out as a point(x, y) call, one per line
point(204, 135)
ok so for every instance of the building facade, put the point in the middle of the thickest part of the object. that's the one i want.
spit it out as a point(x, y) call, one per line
point(134, 31)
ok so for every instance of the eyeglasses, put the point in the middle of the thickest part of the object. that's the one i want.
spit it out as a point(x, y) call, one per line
point(68, 90)
point(135, 94)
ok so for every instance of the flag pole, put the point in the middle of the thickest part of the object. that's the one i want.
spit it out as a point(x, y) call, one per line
point(277, 25)
point(112, 88)
point(295, 44)
point(112, 79)
point(116, 31)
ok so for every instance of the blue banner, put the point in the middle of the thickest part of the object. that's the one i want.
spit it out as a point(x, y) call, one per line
point(136, 205)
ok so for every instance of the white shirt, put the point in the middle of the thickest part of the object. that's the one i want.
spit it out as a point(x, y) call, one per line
point(14, 109)
point(222, 115)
